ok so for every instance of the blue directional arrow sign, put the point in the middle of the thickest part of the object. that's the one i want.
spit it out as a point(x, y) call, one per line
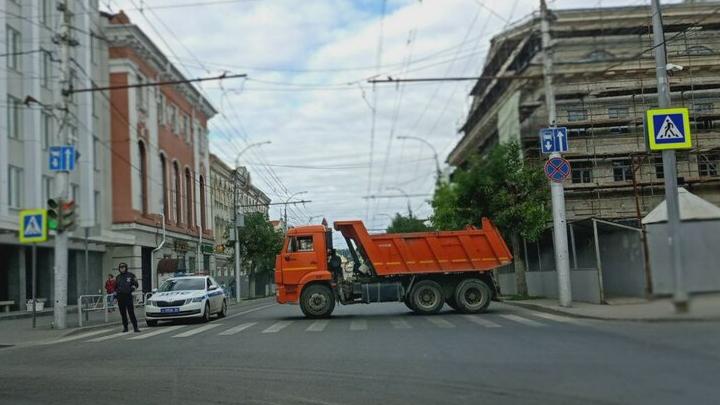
point(553, 140)
point(62, 158)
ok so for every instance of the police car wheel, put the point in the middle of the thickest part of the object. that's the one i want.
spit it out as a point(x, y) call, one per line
point(223, 310)
point(151, 323)
point(206, 313)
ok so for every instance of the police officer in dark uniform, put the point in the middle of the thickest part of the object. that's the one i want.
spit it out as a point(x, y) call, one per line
point(126, 283)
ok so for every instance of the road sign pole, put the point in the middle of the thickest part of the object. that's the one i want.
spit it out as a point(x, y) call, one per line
point(34, 282)
point(680, 296)
point(62, 179)
point(557, 191)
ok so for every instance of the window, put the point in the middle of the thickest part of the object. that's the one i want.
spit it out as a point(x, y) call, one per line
point(163, 168)
point(698, 50)
point(15, 187)
point(572, 132)
point(202, 203)
point(708, 164)
point(140, 93)
point(622, 171)
point(301, 244)
point(599, 55)
point(96, 154)
point(577, 115)
point(98, 206)
point(161, 109)
point(186, 128)
point(13, 47)
point(13, 117)
point(659, 169)
point(143, 178)
point(45, 68)
point(92, 47)
point(173, 119)
point(618, 112)
point(703, 108)
point(46, 130)
point(45, 12)
point(93, 101)
point(581, 172)
point(623, 129)
point(47, 188)
point(177, 201)
point(188, 198)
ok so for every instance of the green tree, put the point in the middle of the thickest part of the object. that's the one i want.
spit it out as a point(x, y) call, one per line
point(401, 224)
point(259, 244)
point(502, 187)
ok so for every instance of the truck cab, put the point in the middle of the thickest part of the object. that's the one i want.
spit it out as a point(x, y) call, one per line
point(302, 260)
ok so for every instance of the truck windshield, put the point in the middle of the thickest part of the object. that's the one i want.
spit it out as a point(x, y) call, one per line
point(178, 284)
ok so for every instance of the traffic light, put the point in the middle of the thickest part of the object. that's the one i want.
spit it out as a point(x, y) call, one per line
point(67, 217)
point(61, 215)
point(53, 213)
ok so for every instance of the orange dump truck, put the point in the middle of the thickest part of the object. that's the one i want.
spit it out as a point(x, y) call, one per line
point(424, 270)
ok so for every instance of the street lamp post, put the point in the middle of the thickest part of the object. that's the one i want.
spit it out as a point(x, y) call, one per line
point(235, 220)
point(285, 225)
point(435, 154)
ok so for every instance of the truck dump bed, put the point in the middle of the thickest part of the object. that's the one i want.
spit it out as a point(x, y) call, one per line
point(428, 252)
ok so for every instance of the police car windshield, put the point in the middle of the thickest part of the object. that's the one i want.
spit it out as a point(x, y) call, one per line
point(183, 284)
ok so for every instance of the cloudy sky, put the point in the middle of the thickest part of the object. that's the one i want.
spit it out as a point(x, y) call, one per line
point(307, 92)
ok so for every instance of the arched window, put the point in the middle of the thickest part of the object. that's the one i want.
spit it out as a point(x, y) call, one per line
point(163, 169)
point(202, 202)
point(188, 198)
point(178, 197)
point(143, 177)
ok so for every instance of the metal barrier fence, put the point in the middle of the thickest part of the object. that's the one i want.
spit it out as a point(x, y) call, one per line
point(104, 302)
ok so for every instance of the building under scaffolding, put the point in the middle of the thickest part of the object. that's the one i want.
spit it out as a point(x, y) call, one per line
point(604, 75)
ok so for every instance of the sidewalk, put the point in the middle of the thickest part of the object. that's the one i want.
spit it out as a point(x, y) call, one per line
point(705, 307)
point(19, 331)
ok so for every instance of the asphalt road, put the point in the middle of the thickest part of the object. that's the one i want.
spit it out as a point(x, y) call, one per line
point(376, 354)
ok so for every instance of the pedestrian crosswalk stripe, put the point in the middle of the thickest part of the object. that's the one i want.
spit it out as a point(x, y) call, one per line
point(108, 337)
point(158, 331)
point(80, 336)
point(237, 329)
point(358, 324)
point(439, 322)
point(520, 319)
point(481, 321)
point(318, 326)
point(277, 327)
point(195, 331)
point(556, 318)
point(400, 324)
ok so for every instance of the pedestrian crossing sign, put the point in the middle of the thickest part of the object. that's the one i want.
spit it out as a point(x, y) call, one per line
point(669, 128)
point(33, 226)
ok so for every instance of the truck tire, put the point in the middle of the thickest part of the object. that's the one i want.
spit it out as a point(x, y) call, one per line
point(427, 297)
point(472, 295)
point(408, 302)
point(317, 301)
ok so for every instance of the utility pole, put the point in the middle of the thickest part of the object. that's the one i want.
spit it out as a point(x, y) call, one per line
point(62, 177)
point(680, 296)
point(557, 190)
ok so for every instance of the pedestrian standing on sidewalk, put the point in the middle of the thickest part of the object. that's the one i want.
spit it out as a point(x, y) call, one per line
point(110, 285)
point(125, 284)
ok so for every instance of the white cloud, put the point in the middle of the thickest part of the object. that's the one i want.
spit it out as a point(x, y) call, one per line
point(300, 57)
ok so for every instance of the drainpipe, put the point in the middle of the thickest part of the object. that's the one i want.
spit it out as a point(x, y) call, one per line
point(153, 269)
point(199, 252)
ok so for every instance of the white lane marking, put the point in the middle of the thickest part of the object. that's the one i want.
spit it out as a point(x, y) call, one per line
point(197, 330)
point(358, 324)
point(480, 321)
point(520, 319)
point(249, 311)
point(80, 336)
point(318, 326)
point(439, 322)
point(400, 324)
point(108, 337)
point(237, 329)
point(158, 331)
point(556, 318)
point(277, 327)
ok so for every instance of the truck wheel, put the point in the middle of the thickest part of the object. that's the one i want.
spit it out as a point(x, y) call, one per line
point(427, 297)
point(317, 301)
point(472, 296)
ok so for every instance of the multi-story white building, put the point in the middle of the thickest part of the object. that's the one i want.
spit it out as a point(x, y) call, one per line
point(30, 117)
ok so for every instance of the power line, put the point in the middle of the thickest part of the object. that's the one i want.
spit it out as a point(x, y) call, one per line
point(162, 83)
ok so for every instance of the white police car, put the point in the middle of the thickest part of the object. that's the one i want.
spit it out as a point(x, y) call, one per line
point(186, 297)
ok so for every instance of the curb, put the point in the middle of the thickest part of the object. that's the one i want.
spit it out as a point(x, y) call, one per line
point(541, 308)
